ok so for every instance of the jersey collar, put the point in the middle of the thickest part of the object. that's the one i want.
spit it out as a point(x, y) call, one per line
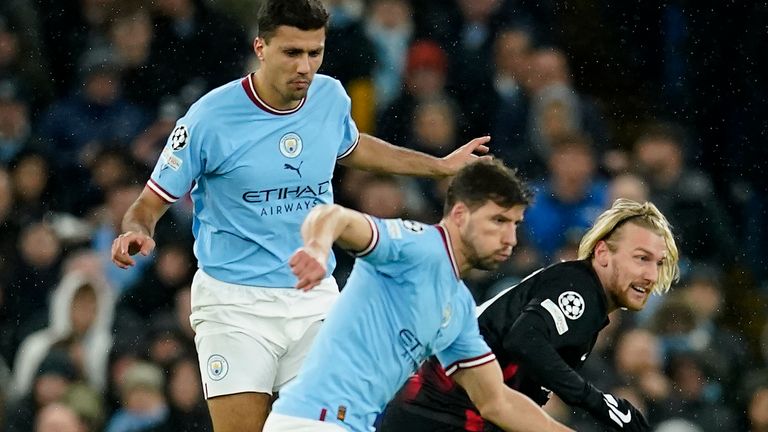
point(448, 248)
point(250, 90)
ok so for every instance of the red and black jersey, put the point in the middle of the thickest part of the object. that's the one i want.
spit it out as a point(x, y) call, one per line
point(541, 330)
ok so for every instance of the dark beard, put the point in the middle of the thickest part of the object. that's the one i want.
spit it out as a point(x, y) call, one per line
point(480, 264)
point(487, 264)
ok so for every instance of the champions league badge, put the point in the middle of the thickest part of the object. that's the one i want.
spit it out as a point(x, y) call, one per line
point(179, 137)
point(217, 367)
point(572, 304)
point(291, 145)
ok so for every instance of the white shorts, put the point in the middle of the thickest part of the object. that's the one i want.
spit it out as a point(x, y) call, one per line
point(254, 339)
point(283, 423)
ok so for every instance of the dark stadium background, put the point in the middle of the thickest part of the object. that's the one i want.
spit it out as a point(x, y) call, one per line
point(591, 100)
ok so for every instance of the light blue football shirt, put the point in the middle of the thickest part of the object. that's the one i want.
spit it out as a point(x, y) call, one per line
point(255, 173)
point(402, 303)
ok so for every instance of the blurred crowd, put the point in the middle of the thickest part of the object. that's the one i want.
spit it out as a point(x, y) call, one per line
point(591, 101)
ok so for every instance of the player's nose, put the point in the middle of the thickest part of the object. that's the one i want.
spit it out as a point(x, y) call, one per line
point(303, 66)
point(652, 273)
point(510, 237)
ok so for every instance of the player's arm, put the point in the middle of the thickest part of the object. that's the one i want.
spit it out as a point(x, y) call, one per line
point(138, 228)
point(530, 342)
point(497, 403)
point(374, 154)
point(324, 225)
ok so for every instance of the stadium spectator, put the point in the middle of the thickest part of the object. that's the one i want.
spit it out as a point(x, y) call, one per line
point(628, 186)
point(75, 128)
point(30, 283)
point(54, 377)
point(153, 294)
point(757, 407)
point(34, 191)
point(185, 400)
point(143, 401)
point(9, 227)
point(58, 417)
point(639, 362)
point(194, 48)
point(693, 398)
point(20, 56)
point(685, 194)
point(80, 325)
point(130, 35)
point(511, 103)
point(389, 26)
point(569, 200)
point(557, 108)
point(15, 124)
point(350, 58)
point(426, 68)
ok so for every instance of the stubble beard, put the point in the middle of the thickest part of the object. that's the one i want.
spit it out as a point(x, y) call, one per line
point(474, 258)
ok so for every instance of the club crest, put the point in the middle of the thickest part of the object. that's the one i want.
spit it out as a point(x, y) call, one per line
point(291, 145)
point(217, 367)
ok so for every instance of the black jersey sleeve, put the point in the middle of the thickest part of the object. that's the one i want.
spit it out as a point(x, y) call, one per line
point(571, 301)
point(564, 312)
point(529, 341)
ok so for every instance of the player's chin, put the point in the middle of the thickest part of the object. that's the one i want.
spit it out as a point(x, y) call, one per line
point(635, 305)
point(489, 264)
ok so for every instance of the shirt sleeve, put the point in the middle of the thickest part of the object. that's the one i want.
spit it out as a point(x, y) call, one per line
point(469, 349)
point(529, 342)
point(569, 302)
point(565, 311)
point(351, 136)
point(181, 161)
point(396, 244)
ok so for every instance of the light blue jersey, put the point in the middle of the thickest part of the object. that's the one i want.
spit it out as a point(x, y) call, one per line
point(402, 303)
point(255, 173)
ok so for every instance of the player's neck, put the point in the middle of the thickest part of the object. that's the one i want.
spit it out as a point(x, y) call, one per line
point(456, 247)
point(605, 280)
point(270, 96)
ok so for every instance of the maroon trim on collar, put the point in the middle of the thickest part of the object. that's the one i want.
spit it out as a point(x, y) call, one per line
point(250, 90)
point(448, 248)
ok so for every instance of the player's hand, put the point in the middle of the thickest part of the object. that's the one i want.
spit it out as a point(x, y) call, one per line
point(467, 153)
point(309, 267)
point(619, 414)
point(130, 243)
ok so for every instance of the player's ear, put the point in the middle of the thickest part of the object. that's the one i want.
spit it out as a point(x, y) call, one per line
point(258, 47)
point(459, 213)
point(601, 253)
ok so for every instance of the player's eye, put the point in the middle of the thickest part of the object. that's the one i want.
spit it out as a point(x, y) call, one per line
point(315, 53)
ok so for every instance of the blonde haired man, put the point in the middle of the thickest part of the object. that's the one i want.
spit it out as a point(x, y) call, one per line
point(543, 329)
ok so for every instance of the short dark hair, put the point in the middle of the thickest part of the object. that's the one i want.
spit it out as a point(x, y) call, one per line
point(483, 181)
point(302, 14)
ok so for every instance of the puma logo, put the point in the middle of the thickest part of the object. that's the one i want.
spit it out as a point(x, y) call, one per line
point(291, 167)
